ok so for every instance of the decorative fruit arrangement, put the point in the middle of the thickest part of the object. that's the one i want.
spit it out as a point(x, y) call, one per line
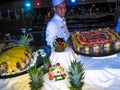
point(14, 59)
point(99, 42)
point(60, 44)
point(56, 72)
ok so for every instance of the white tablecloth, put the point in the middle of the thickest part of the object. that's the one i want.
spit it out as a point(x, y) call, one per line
point(101, 73)
point(64, 58)
point(15, 83)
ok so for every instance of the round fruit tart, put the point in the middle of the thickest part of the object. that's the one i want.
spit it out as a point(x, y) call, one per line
point(15, 59)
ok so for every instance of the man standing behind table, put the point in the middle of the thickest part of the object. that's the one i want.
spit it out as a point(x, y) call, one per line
point(56, 27)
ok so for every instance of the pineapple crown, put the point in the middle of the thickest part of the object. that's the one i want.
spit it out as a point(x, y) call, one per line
point(46, 65)
point(47, 61)
point(33, 70)
point(36, 77)
point(76, 75)
point(25, 40)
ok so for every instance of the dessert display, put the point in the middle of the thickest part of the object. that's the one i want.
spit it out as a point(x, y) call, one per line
point(56, 72)
point(59, 44)
point(100, 41)
point(14, 59)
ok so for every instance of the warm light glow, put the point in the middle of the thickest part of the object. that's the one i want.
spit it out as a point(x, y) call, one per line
point(38, 4)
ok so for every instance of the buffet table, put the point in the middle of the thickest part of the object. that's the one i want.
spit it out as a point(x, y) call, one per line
point(101, 73)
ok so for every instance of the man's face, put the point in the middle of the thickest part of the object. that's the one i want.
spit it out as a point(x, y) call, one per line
point(60, 9)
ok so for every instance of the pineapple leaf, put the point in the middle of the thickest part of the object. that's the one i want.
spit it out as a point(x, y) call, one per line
point(25, 40)
point(46, 62)
point(76, 75)
point(36, 77)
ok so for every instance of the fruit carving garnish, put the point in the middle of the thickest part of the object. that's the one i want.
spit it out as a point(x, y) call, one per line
point(59, 42)
point(56, 72)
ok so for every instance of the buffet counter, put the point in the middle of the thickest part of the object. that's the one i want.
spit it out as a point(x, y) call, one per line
point(101, 73)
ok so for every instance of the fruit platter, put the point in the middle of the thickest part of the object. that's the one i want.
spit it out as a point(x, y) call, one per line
point(17, 58)
point(95, 43)
point(59, 44)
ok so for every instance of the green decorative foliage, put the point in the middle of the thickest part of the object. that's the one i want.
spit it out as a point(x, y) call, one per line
point(36, 77)
point(25, 40)
point(76, 75)
point(47, 64)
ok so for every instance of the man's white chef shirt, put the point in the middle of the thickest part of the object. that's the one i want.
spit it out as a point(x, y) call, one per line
point(56, 28)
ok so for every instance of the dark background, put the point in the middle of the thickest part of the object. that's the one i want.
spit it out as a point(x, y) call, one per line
point(7, 1)
point(78, 17)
